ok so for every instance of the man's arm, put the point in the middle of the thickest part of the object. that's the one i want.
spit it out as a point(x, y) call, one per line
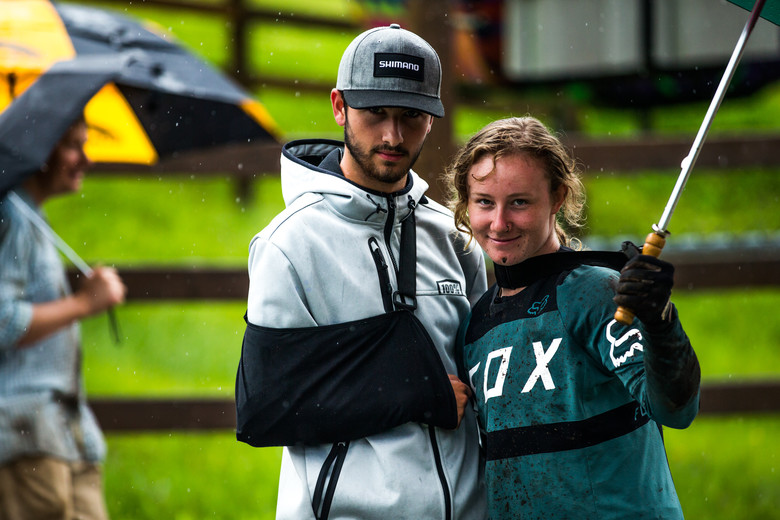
point(100, 291)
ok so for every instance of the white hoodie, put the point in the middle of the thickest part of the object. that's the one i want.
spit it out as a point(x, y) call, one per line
point(312, 266)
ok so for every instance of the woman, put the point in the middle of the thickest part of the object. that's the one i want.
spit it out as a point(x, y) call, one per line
point(569, 400)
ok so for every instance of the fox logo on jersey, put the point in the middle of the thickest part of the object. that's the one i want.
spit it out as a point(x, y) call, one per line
point(537, 307)
point(618, 345)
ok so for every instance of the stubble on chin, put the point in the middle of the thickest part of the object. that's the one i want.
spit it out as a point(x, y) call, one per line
point(385, 171)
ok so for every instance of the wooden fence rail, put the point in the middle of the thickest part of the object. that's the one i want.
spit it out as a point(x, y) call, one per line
point(627, 156)
point(135, 415)
point(695, 270)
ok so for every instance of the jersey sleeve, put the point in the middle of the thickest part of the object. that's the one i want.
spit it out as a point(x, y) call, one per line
point(660, 371)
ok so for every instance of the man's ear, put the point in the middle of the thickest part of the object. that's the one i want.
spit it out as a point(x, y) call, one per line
point(339, 107)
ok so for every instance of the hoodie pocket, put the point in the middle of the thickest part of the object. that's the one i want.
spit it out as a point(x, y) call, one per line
point(327, 480)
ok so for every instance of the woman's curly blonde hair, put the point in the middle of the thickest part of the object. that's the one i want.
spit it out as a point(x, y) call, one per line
point(528, 136)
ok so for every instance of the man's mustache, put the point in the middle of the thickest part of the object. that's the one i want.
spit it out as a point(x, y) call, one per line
point(394, 149)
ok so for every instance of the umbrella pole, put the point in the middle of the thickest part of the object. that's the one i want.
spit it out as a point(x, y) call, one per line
point(64, 248)
point(655, 241)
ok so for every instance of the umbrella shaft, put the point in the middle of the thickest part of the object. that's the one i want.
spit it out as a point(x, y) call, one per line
point(720, 93)
point(44, 228)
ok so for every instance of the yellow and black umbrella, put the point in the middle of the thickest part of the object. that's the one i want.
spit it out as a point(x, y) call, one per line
point(144, 97)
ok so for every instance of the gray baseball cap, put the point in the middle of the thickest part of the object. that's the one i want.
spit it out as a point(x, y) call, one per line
point(391, 67)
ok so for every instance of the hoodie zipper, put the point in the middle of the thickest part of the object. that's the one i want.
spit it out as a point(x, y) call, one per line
point(330, 468)
point(387, 290)
point(442, 477)
point(389, 223)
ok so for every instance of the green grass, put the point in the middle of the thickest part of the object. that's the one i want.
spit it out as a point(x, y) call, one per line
point(727, 467)
point(734, 333)
point(189, 220)
point(182, 220)
point(190, 476)
point(167, 349)
point(723, 467)
point(712, 202)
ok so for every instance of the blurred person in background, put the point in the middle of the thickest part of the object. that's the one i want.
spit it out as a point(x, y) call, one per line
point(570, 401)
point(51, 446)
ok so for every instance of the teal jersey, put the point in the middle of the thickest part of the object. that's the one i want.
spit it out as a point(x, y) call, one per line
point(571, 418)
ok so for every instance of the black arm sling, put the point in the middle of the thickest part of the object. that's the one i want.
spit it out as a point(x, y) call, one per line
point(341, 382)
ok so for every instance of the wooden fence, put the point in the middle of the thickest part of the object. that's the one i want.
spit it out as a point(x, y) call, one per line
point(695, 269)
point(134, 415)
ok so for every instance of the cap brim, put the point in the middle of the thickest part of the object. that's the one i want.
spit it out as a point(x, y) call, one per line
point(384, 98)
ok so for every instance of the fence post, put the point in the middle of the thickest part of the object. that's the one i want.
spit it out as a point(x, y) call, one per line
point(430, 19)
point(236, 16)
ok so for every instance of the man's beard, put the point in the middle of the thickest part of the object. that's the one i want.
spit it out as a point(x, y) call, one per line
point(362, 157)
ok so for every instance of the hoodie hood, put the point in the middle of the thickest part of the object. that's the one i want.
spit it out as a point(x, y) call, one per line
point(301, 174)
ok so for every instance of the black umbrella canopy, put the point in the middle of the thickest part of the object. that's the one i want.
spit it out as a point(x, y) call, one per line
point(156, 99)
point(93, 31)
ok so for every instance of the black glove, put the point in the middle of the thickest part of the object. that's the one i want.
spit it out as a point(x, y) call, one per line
point(645, 287)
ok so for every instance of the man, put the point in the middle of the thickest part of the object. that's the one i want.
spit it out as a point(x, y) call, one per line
point(50, 443)
point(356, 293)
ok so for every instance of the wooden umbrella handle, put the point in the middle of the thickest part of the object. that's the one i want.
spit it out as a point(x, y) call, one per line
point(654, 243)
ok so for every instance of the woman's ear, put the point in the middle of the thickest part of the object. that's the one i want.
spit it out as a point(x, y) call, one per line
point(558, 197)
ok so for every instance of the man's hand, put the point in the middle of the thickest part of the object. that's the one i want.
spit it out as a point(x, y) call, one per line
point(102, 290)
point(645, 287)
point(462, 395)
